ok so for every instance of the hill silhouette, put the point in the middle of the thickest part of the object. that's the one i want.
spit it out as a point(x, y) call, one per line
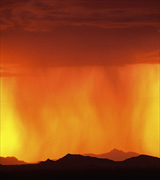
point(73, 161)
point(75, 166)
point(10, 161)
point(142, 161)
point(77, 161)
point(47, 162)
point(115, 154)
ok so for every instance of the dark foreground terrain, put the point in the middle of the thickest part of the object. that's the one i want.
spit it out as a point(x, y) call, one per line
point(81, 167)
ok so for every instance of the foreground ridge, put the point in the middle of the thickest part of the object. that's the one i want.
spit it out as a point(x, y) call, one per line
point(75, 166)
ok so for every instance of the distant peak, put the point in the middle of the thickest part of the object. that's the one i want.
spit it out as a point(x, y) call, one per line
point(115, 150)
point(115, 155)
point(10, 160)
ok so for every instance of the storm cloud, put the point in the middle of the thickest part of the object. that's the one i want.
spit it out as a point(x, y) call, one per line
point(44, 15)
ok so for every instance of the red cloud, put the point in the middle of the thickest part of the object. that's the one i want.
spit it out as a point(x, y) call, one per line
point(44, 15)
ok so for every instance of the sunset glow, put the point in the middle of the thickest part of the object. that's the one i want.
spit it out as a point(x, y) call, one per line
point(79, 110)
point(79, 77)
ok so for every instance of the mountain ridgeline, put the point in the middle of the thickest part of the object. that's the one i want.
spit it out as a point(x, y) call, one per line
point(10, 161)
point(115, 154)
point(75, 166)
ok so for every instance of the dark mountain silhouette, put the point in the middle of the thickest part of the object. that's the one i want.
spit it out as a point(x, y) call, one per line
point(142, 161)
point(47, 164)
point(85, 167)
point(10, 161)
point(115, 154)
point(76, 161)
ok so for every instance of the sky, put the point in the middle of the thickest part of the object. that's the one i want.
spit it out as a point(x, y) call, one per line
point(74, 32)
point(79, 76)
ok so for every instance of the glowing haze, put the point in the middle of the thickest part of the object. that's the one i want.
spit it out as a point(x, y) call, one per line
point(79, 77)
point(78, 110)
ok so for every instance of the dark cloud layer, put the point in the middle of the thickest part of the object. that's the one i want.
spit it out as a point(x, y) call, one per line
point(44, 15)
point(47, 33)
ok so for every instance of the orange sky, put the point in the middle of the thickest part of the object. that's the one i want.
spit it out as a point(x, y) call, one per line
point(79, 77)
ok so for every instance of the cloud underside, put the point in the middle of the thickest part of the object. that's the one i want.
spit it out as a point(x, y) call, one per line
point(12, 70)
point(44, 15)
